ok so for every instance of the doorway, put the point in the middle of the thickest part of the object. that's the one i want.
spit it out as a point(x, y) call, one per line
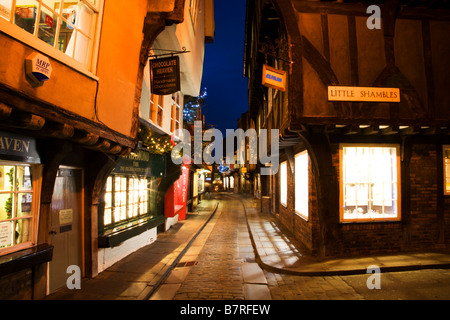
point(66, 231)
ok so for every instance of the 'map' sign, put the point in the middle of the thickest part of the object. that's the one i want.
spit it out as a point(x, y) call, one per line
point(38, 67)
point(274, 78)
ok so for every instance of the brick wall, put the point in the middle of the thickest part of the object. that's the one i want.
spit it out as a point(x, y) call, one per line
point(388, 237)
point(378, 237)
point(306, 231)
point(17, 286)
point(423, 184)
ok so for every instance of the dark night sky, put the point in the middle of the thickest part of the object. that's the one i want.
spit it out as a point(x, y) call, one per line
point(223, 71)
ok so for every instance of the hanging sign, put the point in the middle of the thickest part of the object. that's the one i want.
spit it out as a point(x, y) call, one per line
point(366, 94)
point(165, 75)
point(274, 78)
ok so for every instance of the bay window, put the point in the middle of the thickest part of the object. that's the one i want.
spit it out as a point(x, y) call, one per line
point(283, 183)
point(370, 183)
point(127, 198)
point(18, 205)
point(301, 184)
point(69, 26)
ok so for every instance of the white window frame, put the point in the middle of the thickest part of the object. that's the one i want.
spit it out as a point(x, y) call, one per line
point(90, 69)
point(301, 185)
point(283, 183)
point(446, 164)
point(370, 216)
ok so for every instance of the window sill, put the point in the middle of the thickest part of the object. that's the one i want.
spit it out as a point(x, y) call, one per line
point(369, 221)
point(24, 259)
point(29, 40)
point(114, 239)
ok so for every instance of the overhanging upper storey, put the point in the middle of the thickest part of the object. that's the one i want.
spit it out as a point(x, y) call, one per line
point(332, 45)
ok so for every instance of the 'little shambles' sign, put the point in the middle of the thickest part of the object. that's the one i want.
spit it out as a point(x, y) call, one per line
point(366, 94)
point(165, 75)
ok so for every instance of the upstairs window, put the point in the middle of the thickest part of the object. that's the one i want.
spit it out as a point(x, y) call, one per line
point(370, 177)
point(66, 25)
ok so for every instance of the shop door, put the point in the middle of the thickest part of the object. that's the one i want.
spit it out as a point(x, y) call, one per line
point(66, 226)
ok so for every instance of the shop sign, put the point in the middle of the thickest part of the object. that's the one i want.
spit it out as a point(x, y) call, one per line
point(38, 67)
point(165, 75)
point(274, 78)
point(5, 234)
point(141, 163)
point(363, 94)
point(18, 148)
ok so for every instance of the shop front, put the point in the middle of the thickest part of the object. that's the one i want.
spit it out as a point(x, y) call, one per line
point(128, 212)
point(20, 187)
point(175, 200)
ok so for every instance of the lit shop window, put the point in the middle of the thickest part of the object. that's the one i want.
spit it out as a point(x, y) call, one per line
point(370, 183)
point(66, 25)
point(283, 183)
point(17, 212)
point(301, 184)
point(447, 170)
point(126, 198)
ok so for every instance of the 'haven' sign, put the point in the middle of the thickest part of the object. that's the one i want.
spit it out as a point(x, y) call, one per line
point(274, 78)
point(366, 94)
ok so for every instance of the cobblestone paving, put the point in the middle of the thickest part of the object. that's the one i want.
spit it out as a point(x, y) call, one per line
point(292, 287)
point(218, 275)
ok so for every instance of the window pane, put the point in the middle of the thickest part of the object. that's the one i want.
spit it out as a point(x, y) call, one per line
point(24, 179)
point(107, 216)
point(5, 9)
point(48, 21)
point(370, 182)
point(23, 231)
point(24, 204)
point(65, 34)
point(6, 206)
point(283, 183)
point(25, 15)
point(447, 170)
point(301, 184)
point(7, 176)
point(6, 234)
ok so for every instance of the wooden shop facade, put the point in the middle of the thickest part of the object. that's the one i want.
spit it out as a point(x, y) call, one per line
point(363, 115)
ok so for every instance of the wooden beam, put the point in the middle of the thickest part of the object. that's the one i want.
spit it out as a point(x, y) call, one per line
point(351, 129)
point(410, 130)
point(57, 130)
point(389, 130)
point(86, 138)
point(25, 120)
point(5, 111)
point(370, 130)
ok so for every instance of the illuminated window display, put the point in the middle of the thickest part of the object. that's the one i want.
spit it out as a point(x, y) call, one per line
point(283, 183)
point(16, 205)
point(301, 184)
point(447, 170)
point(126, 197)
point(369, 183)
